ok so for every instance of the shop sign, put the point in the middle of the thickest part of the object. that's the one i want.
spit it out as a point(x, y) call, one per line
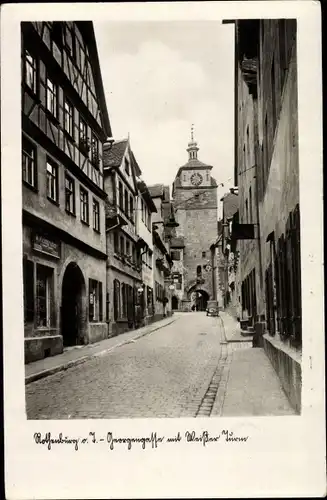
point(45, 245)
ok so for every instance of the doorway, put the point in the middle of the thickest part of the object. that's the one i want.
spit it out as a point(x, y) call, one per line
point(72, 311)
point(174, 303)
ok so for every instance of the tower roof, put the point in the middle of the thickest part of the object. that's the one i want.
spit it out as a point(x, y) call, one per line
point(193, 161)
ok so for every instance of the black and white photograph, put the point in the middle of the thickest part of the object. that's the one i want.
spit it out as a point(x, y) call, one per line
point(164, 245)
point(155, 282)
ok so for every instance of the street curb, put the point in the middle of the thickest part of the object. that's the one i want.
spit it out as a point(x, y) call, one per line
point(51, 371)
point(240, 341)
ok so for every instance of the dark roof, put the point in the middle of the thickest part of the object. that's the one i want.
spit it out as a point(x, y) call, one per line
point(177, 242)
point(114, 156)
point(230, 205)
point(156, 190)
point(144, 191)
point(193, 163)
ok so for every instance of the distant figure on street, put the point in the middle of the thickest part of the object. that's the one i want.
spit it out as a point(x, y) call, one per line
point(193, 307)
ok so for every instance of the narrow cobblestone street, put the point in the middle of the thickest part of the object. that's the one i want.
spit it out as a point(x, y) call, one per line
point(163, 374)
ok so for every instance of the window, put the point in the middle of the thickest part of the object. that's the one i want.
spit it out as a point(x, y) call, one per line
point(122, 246)
point(52, 181)
point(29, 162)
point(95, 300)
point(246, 211)
point(116, 245)
point(70, 194)
point(149, 220)
point(150, 258)
point(30, 71)
point(117, 302)
point(96, 215)
point(131, 208)
point(69, 118)
point(124, 292)
point(95, 150)
point(133, 253)
point(127, 166)
point(28, 278)
point(51, 92)
point(198, 270)
point(128, 248)
point(126, 203)
point(150, 300)
point(142, 210)
point(203, 255)
point(84, 198)
point(44, 297)
point(121, 196)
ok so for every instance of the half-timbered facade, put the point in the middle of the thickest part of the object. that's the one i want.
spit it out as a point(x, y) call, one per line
point(64, 125)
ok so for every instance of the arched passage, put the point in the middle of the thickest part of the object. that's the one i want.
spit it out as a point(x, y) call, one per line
point(174, 303)
point(73, 314)
point(199, 299)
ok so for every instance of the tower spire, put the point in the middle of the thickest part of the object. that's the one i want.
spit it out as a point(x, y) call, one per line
point(192, 146)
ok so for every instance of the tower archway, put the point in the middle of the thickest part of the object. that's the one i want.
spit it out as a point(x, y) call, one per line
point(199, 299)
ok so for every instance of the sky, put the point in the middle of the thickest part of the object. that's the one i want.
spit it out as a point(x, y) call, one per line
point(162, 77)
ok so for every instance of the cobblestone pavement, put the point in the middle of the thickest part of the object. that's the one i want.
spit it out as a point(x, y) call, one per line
point(164, 374)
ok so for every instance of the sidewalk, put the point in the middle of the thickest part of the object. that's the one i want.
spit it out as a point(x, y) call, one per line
point(79, 354)
point(232, 329)
point(249, 385)
point(253, 387)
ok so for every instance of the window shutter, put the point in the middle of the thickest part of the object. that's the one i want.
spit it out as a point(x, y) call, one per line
point(100, 301)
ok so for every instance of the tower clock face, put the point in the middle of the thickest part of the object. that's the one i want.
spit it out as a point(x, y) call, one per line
point(196, 179)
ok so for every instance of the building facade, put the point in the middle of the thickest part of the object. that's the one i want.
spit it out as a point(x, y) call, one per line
point(64, 125)
point(229, 255)
point(195, 207)
point(144, 212)
point(125, 304)
point(161, 251)
point(267, 174)
point(177, 272)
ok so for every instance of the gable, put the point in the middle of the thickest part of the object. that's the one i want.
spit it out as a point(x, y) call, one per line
point(73, 46)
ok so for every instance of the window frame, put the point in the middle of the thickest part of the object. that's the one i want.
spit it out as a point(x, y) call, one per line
point(96, 215)
point(32, 166)
point(95, 151)
point(53, 110)
point(34, 67)
point(48, 298)
point(95, 305)
point(70, 115)
point(54, 177)
point(84, 202)
point(72, 194)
